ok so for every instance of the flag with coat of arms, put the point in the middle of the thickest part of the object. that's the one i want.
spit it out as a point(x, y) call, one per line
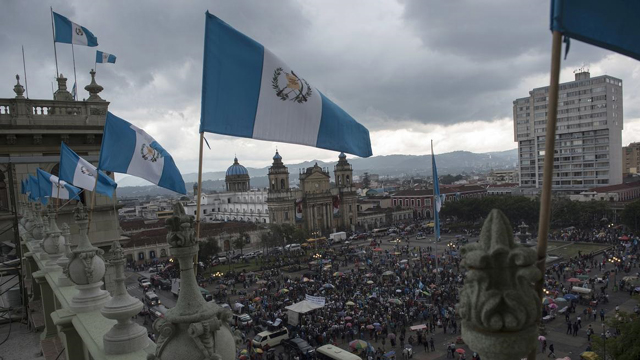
point(130, 150)
point(50, 186)
point(81, 173)
point(104, 58)
point(68, 32)
point(247, 91)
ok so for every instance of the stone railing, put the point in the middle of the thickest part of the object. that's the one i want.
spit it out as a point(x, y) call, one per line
point(43, 112)
point(76, 314)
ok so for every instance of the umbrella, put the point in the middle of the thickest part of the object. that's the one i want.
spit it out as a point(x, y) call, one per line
point(349, 325)
point(260, 282)
point(397, 253)
point(370, 327)
point(542, 338)
point(398, 291)
point(570, 297)
point(244, 352)
point(574, 280)
point(432, 286)
point(589, 355)
point(348, 318)
point(305, 279)
point(395, 301)
point(376, 324)
point(404, 261)
point(418, 327)
point(257, 299)
point(391, 336)
point(368, 274)
point(338, 273)
point(553, 306)
point(460, 351)
point(243, 357)
point(426, 293)
point(387, 273)
point(547, 301)
point(350, 303)
point(369, 282)
point(328, 286)
point(377, 249)
point(258, 350)
point(358, 344)
point(559, 300)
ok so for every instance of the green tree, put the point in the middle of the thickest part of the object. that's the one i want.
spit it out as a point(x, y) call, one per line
point(366, 182)
point(631, 215)
point(208, 248)
point(239, 243)
point(623, 347)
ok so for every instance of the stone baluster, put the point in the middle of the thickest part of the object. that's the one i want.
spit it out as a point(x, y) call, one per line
point(37, 229)
point(53, 244)
point(86, 269)
point(125, 336)
point(46, 231)
point(63, 261)
point(498, 304)
point(193, 329)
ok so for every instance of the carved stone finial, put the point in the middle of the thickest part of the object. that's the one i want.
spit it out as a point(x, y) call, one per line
point(62, 93)
point(498, 304)
point(18, 89)
point(94, 89)
point(63, 261)
point(193, 329)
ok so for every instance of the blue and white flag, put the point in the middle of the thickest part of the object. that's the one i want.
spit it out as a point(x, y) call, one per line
point(68, 32)
point(34, 192)
point(130, 150)
point(24, 186)
point(79, 172)
point(437, 200)
point(248, 92)
point(103, 57)
point(74, 91)
point(52, 187)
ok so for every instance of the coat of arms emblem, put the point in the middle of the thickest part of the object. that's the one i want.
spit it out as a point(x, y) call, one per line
point(86, 171)
point(150, 154)
point(297, 89)
point(79, 31)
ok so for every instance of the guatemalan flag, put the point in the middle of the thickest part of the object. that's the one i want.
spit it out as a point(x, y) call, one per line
point(24, 186)
point(34, 192)
point(79, 172)
point(50, 186)
point(437, 200)
point(248, 92)
point(130, 150)
point(103, 58)
point(68, 32)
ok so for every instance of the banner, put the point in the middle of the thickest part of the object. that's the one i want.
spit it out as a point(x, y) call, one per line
point(336, 206)
point(299, 210)
point(319, 300)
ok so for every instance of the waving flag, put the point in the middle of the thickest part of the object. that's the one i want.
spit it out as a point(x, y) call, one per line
point(248, 92)
point(103, 58)
point(68, 32)
point(52, 187)
point(611, 24)
point(437, 200)
point(24, 186)
point(79, 172)
point(32, 188)
point(130, 150)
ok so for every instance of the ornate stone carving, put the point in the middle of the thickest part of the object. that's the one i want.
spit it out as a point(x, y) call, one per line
point(18, 89)
point(62, 93)
point(94, 89)
point(63, 261)
point(193, 329)
point(98, 110)
point(90, 139)
point(125, 336)
point(53, 244)
point(498, 304)
point(37, 139)
point(86, 269)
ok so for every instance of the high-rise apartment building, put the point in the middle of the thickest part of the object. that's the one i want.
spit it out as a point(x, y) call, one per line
point(588, 133)
point(631, 158)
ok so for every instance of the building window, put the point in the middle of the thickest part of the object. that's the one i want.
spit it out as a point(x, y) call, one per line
point(282, 184)
point(347, 180)
point(413, 202)
point(286, 215)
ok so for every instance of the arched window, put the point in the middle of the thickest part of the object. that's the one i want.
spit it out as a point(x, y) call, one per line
point(340, 180)
point(282, 184)
point(347, 180)
point(163, 252)
point(152, 254)
point(273, 184)
point(140, 256)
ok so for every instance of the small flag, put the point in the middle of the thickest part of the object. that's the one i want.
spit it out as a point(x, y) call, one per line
point(23, 186)
point(73, 91)
point(130, 150)
point(79, 172)
point(103, 57)
point(611, 24)
point(248, 92)
point(52, 187)
point(436, 195)
point(33, 190)
point(69, 32)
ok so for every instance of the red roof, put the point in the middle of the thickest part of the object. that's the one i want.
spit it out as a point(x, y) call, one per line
point(614, 188)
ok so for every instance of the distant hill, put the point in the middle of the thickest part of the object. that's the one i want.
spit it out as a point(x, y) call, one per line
point(456, 162)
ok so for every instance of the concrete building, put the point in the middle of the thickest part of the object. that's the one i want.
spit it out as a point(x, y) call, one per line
point(631, 158)
point(588, 136)
point(421, 201)
point(239, 203)
point(316, 206)
point(503, 176)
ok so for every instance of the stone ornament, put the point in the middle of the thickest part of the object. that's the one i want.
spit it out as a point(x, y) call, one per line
point(125, 336)
point(499, 306)
point(193, 329)
point(93, 88)
point(38, 228)
point(18, 89)
point(63, 261)
point(86, 269)
point(53, 244)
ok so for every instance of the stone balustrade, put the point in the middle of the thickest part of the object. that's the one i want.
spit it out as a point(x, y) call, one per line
point(82, 333)
point(43, 112)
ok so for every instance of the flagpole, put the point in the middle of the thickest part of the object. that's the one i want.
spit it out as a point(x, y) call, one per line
point(75, 79)
point(93, 200)
point(24, 67)
point(198, 201)
point(547, 179)
point(435, 214)
point(53, 34)
point(58, 195)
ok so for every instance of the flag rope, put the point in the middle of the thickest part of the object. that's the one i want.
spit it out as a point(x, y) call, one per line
point(93, 199)
point(75, 78)
point(198, 201)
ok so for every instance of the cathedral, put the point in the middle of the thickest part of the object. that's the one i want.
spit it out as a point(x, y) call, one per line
point(316, 205)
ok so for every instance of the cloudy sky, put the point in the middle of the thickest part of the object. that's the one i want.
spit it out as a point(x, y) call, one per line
point(409, 70)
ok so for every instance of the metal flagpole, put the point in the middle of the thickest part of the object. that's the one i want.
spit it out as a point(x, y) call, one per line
point(93, 200)
point(550, 138)
point(53, 34)
point(75, 80)
point(198, 201)
point(24, 67)
point(435, 214)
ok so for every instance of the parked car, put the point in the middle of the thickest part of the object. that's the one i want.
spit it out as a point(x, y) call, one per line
point(421, 236)
point(164, 284)
point(241, 321)
point(145, 285)
point(151, 299)
point(156, 312)
point(271, 338)
point(300, 347)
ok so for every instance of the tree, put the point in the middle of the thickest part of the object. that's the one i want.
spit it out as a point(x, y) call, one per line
point(631, 215)
point(365, 181)
point(208, 248)
point(624, 346)
point(239, 243)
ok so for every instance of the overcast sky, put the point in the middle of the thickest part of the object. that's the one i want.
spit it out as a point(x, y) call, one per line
point(409, 70)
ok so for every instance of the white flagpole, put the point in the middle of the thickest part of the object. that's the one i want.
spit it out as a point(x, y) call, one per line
point(53, 35)
point(75, 79)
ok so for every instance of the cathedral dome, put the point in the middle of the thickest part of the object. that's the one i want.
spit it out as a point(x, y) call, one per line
point(236, 169)
point(277, 156)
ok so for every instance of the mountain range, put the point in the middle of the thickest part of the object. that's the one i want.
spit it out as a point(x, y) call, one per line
point(457, 162)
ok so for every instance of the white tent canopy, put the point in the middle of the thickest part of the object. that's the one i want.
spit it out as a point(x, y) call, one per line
point(303, 307)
